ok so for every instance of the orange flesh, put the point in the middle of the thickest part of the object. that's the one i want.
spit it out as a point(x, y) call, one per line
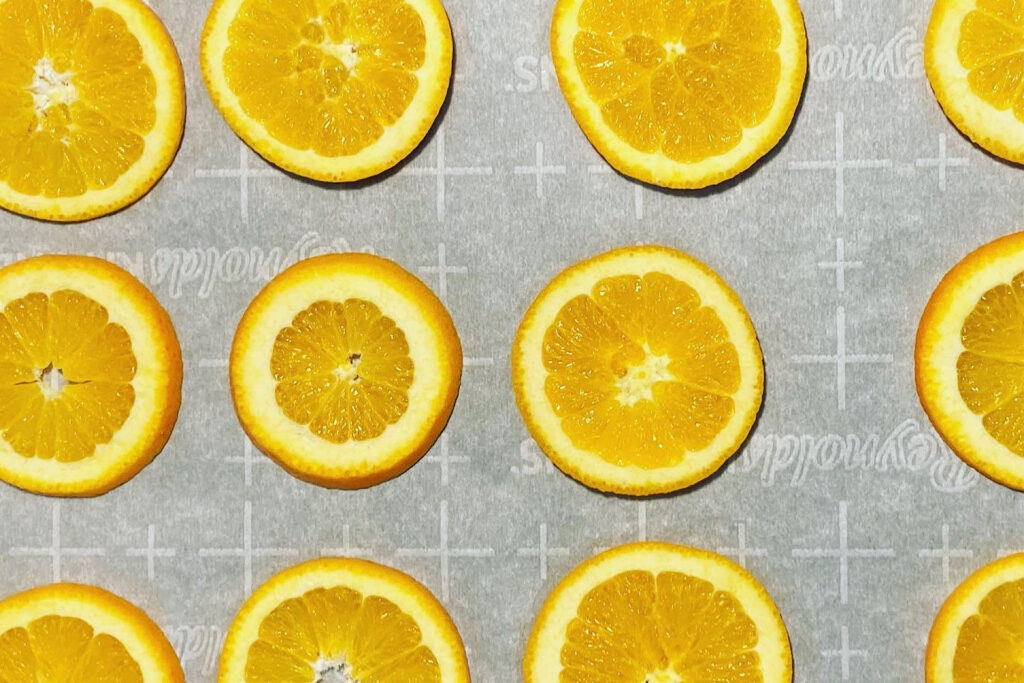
point(55, 649)
point(338, 634)
point(46, 340)
point(78, 98)
point(640, 628)
point(990, 371)
point(991, 48)
point(990, 646)
point(343, 369)
point(324, 75)
point(680, 77)
point(639, 371)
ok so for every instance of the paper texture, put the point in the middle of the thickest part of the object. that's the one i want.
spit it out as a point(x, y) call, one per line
point(844, 503)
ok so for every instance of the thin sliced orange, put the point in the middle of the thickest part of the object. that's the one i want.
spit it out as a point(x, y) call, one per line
point(338, 619)
point(335, 90)
point(81, 634)
point(658, 613)
point(93, 105)
point(345, 369)
point(90, 375)
point(678, 93)
point(638, 371)
point(969, 361)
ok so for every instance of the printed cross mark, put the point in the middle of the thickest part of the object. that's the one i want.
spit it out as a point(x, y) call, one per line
point(248, 459)
point(444, 458)
point(443, 270)
point(543, 552)
point(842, 358)
point(56, 551)
point(346, 549)
point(539, 170)
point(742, 551)
point(151, 552)
point(445, 552)
point(243, 173)
point(845, 653)
point(943, 162)
point(840, 165)
point(844, 553)
point(248, 551)
point(946, 553)
point(840, 265)
point(442, 171)
point(641, 526)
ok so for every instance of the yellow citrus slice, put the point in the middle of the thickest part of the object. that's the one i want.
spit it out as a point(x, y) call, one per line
point(680, 93)
point(93, 105)
point(345, 369)
point(658, 613)
point(974, 58)
point(970, 362)
point(977, 633)
point(337, 619)
point(90, 375)
point(335, 90)
point(638, 371)
point(81, 634)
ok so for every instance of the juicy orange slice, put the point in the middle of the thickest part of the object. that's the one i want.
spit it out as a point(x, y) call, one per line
point(345, 369)
point(94, 105)
point(974, 58)
point(658, 613)
point(680, 94)
point(969, 362)
point(336, 90)
point(78, 634)
point(90, 375)
point(977, 633)
point(337, 619)
point(638, 371)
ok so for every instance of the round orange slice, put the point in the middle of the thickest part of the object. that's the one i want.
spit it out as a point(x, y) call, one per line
point(345, 369)
point(680, 94)
point(969, 360)
point(90, 375)
point(337, 619)
point(974, 58)
point(658, 613)
point(638, 371)
point(336, 90)
point(74, 633)
point(977, 632)
point(93, 105)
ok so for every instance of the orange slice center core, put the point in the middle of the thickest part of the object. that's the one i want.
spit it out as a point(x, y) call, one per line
point(682, 79)
point(56, 648)
point(991, 48)
point(338, 635)
point(65, 375)
point(343, 369)
point(322, 75)
point(664, 628)
point(990, 369)
point(639, 371)
point(990, 646)
point(78, 97)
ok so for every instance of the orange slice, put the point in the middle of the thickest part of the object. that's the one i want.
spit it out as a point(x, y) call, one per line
point(977, 633)
point(969, 361)
point(337, 619)
point(680, 93)
point(93, 105)
point(81, 634)
point(974, 58)
point(335, 90)
point(638, 371)
point(345, 369)
point(658, 613)
point(90, 375)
